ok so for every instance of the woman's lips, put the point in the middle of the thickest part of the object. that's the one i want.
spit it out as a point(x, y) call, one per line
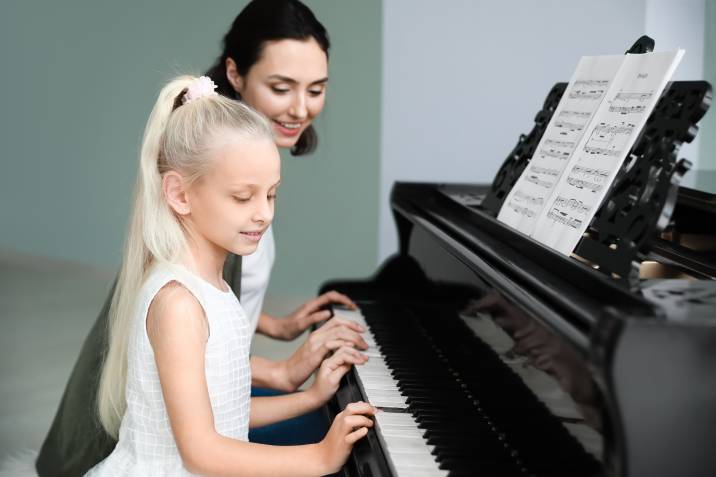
point(287, 128)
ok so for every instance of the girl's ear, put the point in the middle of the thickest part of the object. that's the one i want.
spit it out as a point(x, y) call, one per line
point(174, 191)
point(232, 74)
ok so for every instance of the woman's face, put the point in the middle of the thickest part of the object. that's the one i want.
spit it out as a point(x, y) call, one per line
point(288, 85)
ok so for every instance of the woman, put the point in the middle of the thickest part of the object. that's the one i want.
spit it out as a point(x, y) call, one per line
point(275, 59)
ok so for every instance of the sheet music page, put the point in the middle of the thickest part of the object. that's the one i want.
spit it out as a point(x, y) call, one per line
point(581, 98)
point(600, 154)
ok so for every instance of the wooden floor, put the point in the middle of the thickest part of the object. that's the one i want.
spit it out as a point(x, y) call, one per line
point(46, 309)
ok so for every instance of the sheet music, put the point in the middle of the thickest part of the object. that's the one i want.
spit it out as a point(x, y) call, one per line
point(601, 151)
point(583, 95)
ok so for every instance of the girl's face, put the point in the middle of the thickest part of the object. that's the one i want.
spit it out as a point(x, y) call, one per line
point(287, 85)
point(233, 204)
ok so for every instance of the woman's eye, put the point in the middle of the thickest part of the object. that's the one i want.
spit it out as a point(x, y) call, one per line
point(272, 197)
point(242, 199)
point(279, 90)
point(315, 92)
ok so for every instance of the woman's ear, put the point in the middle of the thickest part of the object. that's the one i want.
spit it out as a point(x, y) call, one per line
point(174, 191)
point(232, 74)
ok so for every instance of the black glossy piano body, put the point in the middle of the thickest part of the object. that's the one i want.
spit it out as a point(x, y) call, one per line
point(653, 368)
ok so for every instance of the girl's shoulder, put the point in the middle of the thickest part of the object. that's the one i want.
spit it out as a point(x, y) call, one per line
point(174, 314)
point(171, 282)
point(170, 294)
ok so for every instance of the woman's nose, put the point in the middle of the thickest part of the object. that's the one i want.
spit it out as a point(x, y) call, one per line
point(298, 106)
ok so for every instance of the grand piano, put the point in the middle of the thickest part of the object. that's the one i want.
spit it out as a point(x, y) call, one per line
point(493, 355)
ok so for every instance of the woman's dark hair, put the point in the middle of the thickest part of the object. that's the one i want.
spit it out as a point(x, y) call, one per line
point(259, 22)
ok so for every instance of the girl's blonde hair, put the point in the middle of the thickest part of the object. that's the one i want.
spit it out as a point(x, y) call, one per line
point(181, 138)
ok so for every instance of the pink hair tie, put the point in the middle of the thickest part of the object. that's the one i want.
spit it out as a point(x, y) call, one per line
point(199, 88)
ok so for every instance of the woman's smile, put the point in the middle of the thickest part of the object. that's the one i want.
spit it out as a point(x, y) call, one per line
point(288, 128)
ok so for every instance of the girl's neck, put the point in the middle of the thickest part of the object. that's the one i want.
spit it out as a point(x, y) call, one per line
point(206, 260)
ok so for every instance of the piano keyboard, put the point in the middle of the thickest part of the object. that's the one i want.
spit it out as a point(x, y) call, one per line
point(439, 416)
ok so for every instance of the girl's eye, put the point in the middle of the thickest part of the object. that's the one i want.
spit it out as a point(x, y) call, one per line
point(279, 90)
point(315, 92)
point(242, 199)
point(272, 196)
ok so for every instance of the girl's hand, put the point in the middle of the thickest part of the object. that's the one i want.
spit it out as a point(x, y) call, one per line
point(348, 427)
point(310, 313)
point(331, 371)
point(334, 334)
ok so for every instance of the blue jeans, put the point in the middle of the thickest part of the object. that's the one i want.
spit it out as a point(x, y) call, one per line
point(306, 429)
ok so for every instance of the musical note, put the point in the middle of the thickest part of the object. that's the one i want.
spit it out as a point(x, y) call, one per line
point(574, 114)
point(537, 181)
point(602, 151)
point(564, 218)
point(604, 129)
point(547, 171)
point(521, 210)
point(582, 184)
point(523, 197)
point(632, 102)
point(600, 83)
point(608, 139)
point(597, 175)
point(586, 94)
point(554, 153)
point(569, 125)
point(559, 143)
point(573, 204)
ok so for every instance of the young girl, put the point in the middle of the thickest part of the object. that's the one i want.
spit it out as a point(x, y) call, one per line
point(176, 380)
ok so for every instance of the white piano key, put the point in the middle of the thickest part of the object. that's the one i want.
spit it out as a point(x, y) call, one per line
point(406, 448)
point(402, 439)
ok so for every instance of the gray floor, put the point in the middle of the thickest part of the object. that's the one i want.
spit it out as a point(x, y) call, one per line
point(46, 309)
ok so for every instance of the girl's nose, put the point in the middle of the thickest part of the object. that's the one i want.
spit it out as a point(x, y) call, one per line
point(264, 211)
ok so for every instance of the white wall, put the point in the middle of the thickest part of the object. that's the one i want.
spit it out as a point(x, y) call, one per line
point(680, 24)
point(463, 78)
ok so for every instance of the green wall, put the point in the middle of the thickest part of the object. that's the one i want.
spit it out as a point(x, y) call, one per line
point(79, 79)
point(707, 130)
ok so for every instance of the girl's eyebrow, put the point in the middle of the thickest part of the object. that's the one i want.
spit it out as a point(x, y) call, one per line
point(242, 186)
point(239, 187)
point(287, 79)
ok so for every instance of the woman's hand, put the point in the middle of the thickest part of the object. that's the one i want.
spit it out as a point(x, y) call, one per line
point(307, 314)
point(334, 334)
point(331, 371)
point(348, 427)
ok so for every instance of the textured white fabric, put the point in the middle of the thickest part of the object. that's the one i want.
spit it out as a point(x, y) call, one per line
point(255, 274)
point(146, 445)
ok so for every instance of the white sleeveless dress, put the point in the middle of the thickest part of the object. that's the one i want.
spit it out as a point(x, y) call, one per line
point(146, 445)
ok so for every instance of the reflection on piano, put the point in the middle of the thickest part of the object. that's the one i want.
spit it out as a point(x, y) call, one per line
point(490, 354)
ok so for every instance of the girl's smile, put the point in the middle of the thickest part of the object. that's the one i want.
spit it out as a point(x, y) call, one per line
point(253, 236)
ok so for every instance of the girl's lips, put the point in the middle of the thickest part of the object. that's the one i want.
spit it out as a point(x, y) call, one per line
point(287, 131)
point(253, 236)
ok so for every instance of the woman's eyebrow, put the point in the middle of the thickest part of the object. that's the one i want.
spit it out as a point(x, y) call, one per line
point(287, 79)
